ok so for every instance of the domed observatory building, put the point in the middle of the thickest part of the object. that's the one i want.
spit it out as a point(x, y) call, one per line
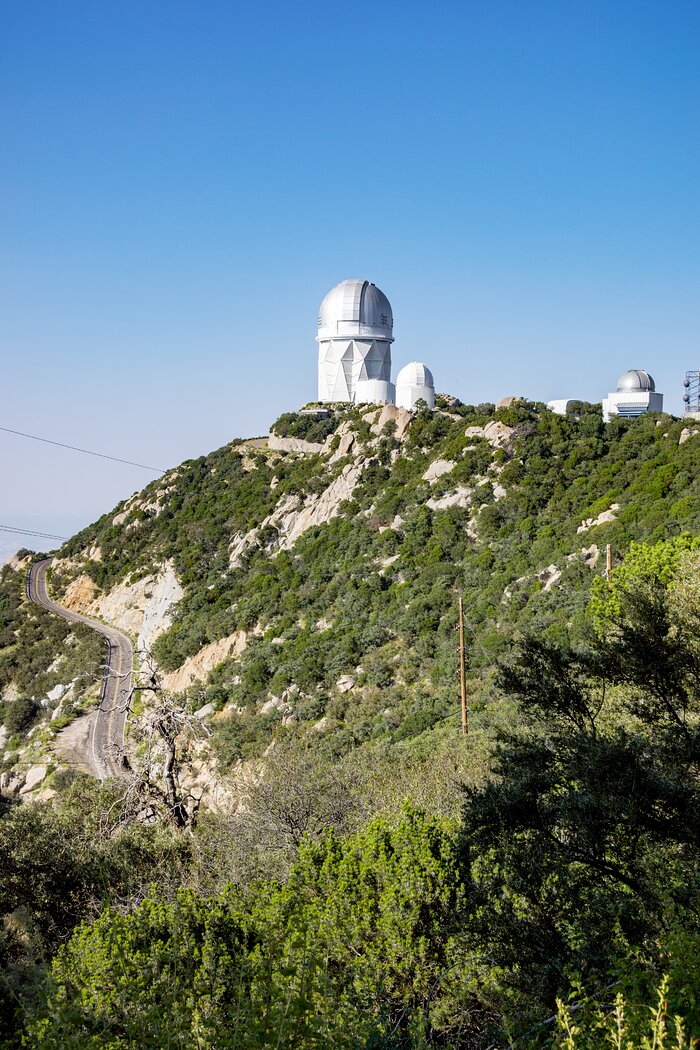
point(355, 326)
point(635, 394)
point(415, 383)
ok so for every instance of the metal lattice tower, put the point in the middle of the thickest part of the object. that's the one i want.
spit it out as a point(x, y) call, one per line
point(691, 394)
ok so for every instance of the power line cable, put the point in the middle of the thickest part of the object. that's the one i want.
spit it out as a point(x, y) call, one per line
point(87, 451)
point(31, 532)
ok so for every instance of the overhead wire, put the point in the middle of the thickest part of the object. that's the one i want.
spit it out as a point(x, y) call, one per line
point(31, 532)
point(87, 451)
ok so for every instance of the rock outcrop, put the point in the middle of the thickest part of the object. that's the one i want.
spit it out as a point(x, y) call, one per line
point(144, 608)
point(79, 594)
point(159, 609)
point(196, 668)
point(603, 518)
point(390, 413)
point(437, 468)
point(291, 520)
point(292, 444)
point(458, 498)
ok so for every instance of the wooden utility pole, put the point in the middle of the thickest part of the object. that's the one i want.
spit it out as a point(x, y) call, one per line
point(462, 671)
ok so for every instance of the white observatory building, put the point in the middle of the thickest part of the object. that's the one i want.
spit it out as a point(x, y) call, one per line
point(354, 339)
point(635, 394)
point(355, 333)
point(414, 383)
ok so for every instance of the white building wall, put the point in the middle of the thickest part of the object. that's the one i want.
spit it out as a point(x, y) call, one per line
point(375, 392)
point(631, 403)
point(407, 396)
point(343, 363)
point(560, 405)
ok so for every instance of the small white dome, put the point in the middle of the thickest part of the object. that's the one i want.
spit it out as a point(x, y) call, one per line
point(415, 374)
point(635, 379)
point(358, 303)
point(415, 383)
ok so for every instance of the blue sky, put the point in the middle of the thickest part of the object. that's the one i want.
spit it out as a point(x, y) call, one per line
point(181, 183)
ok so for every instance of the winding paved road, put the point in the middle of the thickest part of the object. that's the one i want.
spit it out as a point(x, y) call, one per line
point(107, 756)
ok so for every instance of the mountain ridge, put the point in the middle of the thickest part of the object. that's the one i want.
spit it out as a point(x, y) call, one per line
point(269, 572)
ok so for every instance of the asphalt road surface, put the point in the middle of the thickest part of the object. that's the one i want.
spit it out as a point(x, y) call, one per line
point(107, 751)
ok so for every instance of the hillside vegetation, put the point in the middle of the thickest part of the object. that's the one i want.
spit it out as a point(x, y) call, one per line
point(371, 593)
point(372, 878)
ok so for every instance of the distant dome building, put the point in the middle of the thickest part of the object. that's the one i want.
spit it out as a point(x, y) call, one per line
point(415, 383)
point(635, 394)
point(355, 326)
point(562, 405)
point(636, 379)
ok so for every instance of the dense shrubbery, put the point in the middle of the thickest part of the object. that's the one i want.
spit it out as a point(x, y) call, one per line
point(572, 875)
point(343, 954)
point(306, 427)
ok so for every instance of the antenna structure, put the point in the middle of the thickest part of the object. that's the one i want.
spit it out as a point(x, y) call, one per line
point(691, 393)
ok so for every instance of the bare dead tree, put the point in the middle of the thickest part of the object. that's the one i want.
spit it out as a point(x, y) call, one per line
point(164, 725)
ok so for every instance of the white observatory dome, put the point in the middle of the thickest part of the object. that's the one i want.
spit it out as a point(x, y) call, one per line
point(635, 395)
point(636, 379)
point(355, 307)
point(415, 383)
point(354, 343)
point(415, 374)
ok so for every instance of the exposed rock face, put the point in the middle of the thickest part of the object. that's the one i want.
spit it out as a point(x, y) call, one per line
point(158, 613)
point(56, 694)
point(345, 443)
point(437, 468)
point(80, 592)
point(11, 782)
point(496, 433)
point(549, 577)
point(19, 564)
point(144, 608)
point(401, 416)
point(205, 712)
point(686, 433)
point(448, 399)
point(291, 520)
point(321, 508)
point(508, 402)
point(292, 444)
point(602, 519)
point(591, 555)
point(10, 693)
point(275, 703)
point(33, 777)
point(458, 498)
point(196, 668)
